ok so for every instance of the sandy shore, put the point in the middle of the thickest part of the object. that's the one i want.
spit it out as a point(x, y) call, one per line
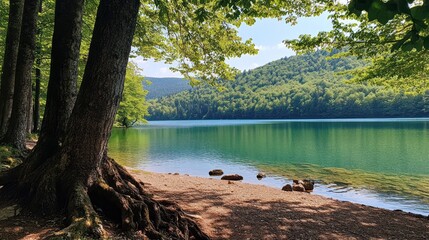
point(245, 211)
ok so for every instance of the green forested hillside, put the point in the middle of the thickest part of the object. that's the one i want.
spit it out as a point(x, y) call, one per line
point(160, 87)
point(308, 86)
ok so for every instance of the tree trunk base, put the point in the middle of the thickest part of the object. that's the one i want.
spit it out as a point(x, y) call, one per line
point(112, 190)
point(81, 228)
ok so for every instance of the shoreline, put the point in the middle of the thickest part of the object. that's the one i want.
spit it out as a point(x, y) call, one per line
point(261, 182)
point(349, 162)
point(236, 210)
point(373, 198)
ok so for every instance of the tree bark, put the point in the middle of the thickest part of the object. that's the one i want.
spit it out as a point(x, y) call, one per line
point(17, 130)
point(63, 77)
point(81, 174)
point(38, 76)
point(36, 105)
point(9, 62)
point(30, 110)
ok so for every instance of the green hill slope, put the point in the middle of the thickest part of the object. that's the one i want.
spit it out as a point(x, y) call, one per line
point(307, 86)
point(160, 87)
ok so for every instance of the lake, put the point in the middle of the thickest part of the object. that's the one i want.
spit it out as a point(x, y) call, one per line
point(376, 162)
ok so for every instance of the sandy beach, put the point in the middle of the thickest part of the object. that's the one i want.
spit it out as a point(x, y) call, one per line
point(235, 210)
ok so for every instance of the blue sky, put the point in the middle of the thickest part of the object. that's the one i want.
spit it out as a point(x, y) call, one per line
point(267, 34)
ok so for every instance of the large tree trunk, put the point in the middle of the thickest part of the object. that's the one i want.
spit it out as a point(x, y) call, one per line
point(81, 174)
point(38, 79)
point(9, 62)
point(30, 110)
point(17, 130)
point(36, 105)
point(63, 77)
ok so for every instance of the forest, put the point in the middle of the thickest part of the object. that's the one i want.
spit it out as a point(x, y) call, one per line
point(159, 87)
point(314, 85)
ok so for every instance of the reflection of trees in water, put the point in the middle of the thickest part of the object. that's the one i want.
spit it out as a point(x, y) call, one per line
point(388, 157)
point(129, 147)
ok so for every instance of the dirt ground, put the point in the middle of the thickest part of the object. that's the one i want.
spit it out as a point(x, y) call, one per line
point(235, 210)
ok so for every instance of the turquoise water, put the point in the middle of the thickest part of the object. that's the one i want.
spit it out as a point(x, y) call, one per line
point(378, 162)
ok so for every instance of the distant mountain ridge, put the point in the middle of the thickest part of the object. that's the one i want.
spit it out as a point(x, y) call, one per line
point(161, 87)
point(306, 86)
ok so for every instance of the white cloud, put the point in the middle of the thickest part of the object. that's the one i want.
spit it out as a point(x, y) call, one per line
point(280, 46)
point(154, 69)
point(262, 47)
point(272, 47)
point(254, 65)
point(164, 70)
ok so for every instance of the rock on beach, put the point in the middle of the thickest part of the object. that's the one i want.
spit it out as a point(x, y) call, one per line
point(233, 177)
point(216, 172)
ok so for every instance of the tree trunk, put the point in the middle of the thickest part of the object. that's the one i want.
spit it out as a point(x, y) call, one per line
point(30, 110)
point(63, 77)
point(36, 105)
point(9, 62)
point(38, 76)
point(81, 174)
point(17, 130)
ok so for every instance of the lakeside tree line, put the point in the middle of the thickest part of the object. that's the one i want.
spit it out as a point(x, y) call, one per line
point(314, 85)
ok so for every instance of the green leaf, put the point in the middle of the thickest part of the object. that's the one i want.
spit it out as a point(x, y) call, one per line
point(426, 43)
point(396, 46)
point(420, 25)
point(399, 44)
point(408, 46)
point(352, 8)
point(418, 45)
point(385, 16)
point(402, 6)
point(380, 11)
point(420, 12)
point(361, 4)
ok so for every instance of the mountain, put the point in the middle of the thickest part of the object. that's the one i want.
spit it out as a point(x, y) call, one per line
point(307, 86)
point(160, 87)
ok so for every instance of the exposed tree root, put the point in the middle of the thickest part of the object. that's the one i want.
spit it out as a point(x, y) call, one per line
point(122, 197)
point(79, 228)
point(111, 189)
point(82, 218)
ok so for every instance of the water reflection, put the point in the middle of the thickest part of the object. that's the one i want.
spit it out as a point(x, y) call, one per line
point(385, 158)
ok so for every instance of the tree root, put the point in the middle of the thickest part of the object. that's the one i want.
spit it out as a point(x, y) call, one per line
point(82, 219)
point(79, 228)
point(117, 176)
point(51, 187)
point(122, 197)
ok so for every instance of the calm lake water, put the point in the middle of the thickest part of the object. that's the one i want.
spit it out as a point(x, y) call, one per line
point(377, 162)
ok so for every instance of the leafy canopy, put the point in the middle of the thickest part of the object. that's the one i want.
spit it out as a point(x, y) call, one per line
point(415, 14)
point(391, 38)
point(200, 35)
point(133, 107)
